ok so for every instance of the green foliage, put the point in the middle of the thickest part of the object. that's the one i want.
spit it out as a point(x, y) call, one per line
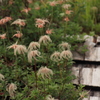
point(56, 79)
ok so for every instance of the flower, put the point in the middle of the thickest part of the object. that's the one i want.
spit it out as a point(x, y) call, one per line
point(26, 10)
point(33, 54)
point(3, 36)
point(55, 56)
point(49, 31)
point(66, 54)
point(53, 3)
point(19, 34)
point(20, 49)
point(11, 89)
point(45, 39)
point(34, 45)
point(45, 72)
point(64, 46)
point(19, 22)
point(60, 1)
point(13, 46)
point(5, 20)
point(1, 77)
point(66, 6)
point(41, 22)
point(40, 25)
point(68, 12)
point(49, 97)
point(30, 1)
point(66, 19)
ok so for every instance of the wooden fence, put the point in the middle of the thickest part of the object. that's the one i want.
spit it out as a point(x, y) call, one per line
point(87, 67)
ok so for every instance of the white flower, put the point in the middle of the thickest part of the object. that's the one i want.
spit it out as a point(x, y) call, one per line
point(33, 45)
point(45, 39)
point(20, 49)
point(66, 54)
point(13, 46)
point(11, 89)
point(1, 77)
point(64, 46)
point(55, 56)
point(45, 72)
point(19, 22)
point(49, 97)
point(33, 54)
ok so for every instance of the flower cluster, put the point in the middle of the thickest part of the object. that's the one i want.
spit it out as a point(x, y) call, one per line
point(11, 89)
point(19, 22)
point(45, 73)
point(41, 22)
point(5, 20)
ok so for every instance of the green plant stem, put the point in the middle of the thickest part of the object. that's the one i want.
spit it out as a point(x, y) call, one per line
point(16, 66)
point(5, 56)
point(36, 74)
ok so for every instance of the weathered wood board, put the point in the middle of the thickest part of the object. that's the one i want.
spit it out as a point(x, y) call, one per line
point(87, 74)
point(93, 51)
point(93, 95)
point(92, 98)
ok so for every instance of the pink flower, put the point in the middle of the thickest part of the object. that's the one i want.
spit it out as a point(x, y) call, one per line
point(30, 1)
point(60, 1)
point(13, 46)
point(26, 10)
point(40, 25)
point(53, 3)
point(5, 20)
point(41, 22)
point(18, 35)
point(19, 22)
point(68, 12)
point(49, 31)
point(66, 19)
point(3, 36)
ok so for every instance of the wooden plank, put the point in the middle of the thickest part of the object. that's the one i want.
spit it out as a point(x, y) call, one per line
point(77, 56)
point(86, 76)
point(94, 98)
point(91, 54)
point(75, 72)
point(98, 54)
point(96, 93)
point(96, 76)
point(98, 39)
point(85, 99)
